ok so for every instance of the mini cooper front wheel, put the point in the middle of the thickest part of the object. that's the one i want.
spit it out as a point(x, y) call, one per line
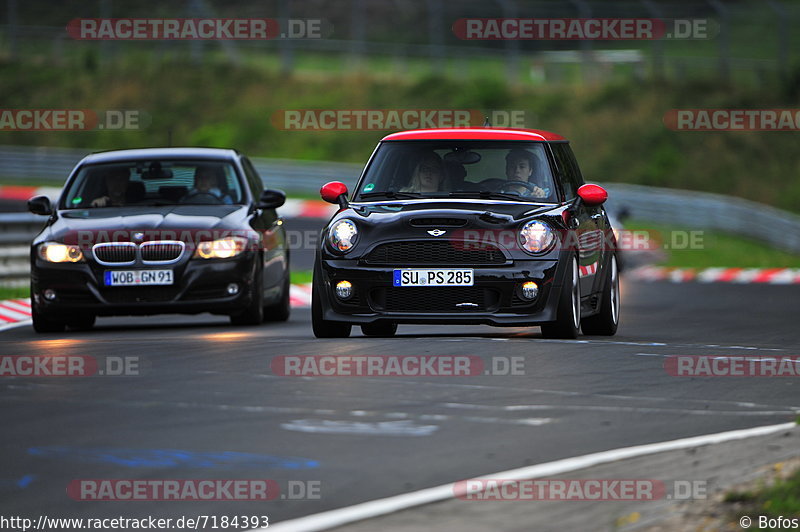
point(605, 322)
point(568, 315)
point(325, 328)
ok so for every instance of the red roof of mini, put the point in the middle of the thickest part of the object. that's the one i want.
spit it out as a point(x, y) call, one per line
point(483, 133)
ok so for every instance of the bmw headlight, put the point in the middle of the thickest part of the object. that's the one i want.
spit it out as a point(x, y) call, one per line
point(57, 252)
point(536, 237)
point(223, 248)
point(342, 235)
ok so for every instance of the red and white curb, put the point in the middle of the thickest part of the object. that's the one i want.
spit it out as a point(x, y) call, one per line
point(300, 295)
point(716, 275)
point(293, 208)
point(588, 270)
point(15, 310)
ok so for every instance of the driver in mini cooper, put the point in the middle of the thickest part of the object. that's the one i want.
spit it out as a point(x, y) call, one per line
point(519, 167)
point(206, 181)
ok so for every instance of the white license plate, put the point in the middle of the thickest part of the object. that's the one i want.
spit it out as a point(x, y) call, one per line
point(138, 277)
point(414, 277)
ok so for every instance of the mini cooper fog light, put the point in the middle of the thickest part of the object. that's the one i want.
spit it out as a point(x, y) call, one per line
point(344, 289)
point(530, 290)
point(232, 289)
point(50, 294)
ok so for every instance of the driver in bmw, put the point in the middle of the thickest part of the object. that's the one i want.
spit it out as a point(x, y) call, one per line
point(519, 167)
point(206, 182)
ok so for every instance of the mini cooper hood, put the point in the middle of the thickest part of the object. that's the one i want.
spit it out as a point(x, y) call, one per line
point(486, 210)
point(161, 222)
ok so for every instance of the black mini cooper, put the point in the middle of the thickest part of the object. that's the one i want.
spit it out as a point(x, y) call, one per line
point(467, 226)
point(160, 230)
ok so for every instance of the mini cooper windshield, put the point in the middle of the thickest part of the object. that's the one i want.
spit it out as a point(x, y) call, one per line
point(156, 182)
point(517, 171)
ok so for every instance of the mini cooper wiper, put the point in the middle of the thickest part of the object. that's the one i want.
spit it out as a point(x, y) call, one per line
point(390, 194)
point(486, 194)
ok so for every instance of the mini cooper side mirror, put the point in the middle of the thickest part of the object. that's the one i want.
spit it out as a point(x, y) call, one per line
point(592, 195)
point(334, 192)
point(271, 199)
point(40, 205)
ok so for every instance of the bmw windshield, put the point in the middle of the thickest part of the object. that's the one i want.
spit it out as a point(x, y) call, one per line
point(517, 171)
point(154, 182)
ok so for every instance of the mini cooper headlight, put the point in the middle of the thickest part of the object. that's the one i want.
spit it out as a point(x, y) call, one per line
point(536, 237)
point(342, 235)
point(223, 248)
point(57, 252)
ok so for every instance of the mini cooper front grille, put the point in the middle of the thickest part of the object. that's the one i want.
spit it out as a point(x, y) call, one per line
point(115, 252)
point(442, 252)
point(166, 251)
point(430, 299)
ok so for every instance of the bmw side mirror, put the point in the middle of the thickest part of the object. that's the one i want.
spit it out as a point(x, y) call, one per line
point(40, 205)
point(271, 199)
point(334, 192)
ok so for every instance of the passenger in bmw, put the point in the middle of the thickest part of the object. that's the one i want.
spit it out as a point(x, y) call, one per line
point(520, 165)
point(428, 174)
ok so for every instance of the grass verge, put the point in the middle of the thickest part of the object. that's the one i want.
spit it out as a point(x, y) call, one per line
point(14, 292)
point(778, 500)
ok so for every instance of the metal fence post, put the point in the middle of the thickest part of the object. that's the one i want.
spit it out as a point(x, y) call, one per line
point(724, 38)
point(285, 45)
point(584, 11)
point(783, 37)
point(13, 16)
point(357, 32)
point(509, 8)
point(658, 44)
point(436, 35)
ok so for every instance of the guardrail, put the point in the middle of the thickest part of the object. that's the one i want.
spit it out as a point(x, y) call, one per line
point(16, 232)
point(703, 210)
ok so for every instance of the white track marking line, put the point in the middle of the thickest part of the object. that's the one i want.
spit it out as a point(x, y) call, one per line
point(380, 507)
point(788, 411)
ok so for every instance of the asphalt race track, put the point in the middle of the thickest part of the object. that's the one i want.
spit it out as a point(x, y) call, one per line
point(206, 404)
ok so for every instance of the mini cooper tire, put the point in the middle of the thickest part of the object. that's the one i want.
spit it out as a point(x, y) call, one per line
point(568, 314)
point(605, 322)
point(383, 329)
point(325, 328)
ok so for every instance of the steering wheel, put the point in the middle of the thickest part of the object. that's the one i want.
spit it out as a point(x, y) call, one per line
point(529, 186)
point(205, 197)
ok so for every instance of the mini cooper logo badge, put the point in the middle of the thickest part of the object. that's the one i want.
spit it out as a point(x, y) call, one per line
point(436, 232)
point(138, 236)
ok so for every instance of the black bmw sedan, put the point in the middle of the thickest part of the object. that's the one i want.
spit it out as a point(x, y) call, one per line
point(468, 226)
point(160, 230)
